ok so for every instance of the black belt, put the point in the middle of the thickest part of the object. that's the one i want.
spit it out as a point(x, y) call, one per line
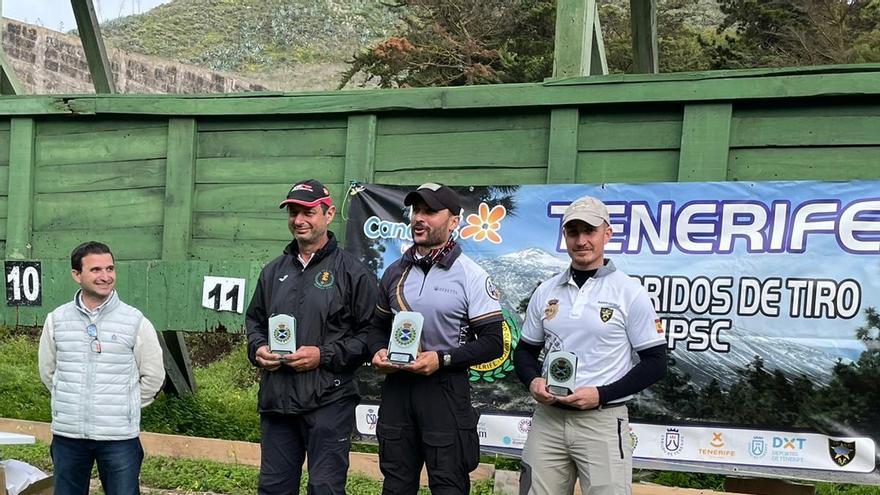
point(566, 407)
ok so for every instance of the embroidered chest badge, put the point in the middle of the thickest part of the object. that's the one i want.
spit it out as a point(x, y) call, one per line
point(324, 279)
point(552, 309)
point(605, 314)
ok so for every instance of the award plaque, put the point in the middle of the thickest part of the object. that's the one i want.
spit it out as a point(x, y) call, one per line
point(282, 334)
point(561, 372)
point(406, 337)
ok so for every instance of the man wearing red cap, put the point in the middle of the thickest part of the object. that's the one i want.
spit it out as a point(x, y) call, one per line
point(307, 398)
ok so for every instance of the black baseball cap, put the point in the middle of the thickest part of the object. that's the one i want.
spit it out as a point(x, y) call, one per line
point(437, 196)
point(309, 192)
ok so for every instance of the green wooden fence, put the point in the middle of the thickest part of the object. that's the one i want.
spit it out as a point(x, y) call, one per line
point(187, 186)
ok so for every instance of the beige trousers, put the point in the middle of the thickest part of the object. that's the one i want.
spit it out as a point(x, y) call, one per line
point(564, 446)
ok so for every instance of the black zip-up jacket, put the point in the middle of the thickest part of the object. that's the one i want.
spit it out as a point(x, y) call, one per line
point(332, 299)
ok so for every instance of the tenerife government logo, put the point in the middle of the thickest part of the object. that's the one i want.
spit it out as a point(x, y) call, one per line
point(324, 279)
point(758, 447)
point(404, 334)
point(282, 333)
point(671, 441)
point(842, 453)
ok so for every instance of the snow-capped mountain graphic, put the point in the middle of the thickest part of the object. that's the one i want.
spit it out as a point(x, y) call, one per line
point(518, 274)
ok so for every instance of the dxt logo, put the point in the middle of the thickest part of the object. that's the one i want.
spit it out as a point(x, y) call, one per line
point(793, 443)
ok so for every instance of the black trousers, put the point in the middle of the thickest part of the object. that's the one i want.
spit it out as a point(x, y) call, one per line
point(427, 420)
point(324, 434)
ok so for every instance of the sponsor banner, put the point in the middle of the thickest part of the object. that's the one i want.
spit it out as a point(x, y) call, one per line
point(797, 450)
point(767, 294)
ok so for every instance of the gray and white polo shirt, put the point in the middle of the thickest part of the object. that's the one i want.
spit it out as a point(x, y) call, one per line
point(605, 323)
point(455, 295)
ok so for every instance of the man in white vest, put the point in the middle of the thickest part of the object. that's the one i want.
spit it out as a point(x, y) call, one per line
point(101, 361)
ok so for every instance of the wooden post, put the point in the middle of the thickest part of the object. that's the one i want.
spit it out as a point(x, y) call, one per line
point(705, 142)
point(180, 171)
point(93, 45)
point(360, 153)
point(562, 155)
point(19, 221)
point(643, 17)
point(598, 60)
point(575, 25)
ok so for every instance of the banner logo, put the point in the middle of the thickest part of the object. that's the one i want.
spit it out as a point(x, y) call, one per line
point(502, 366)
point(842, 453)
point(758, 447)
point(485, 225)
point(672, 441)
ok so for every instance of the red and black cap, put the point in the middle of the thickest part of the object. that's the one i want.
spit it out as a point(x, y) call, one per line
point(437, 196)
point(309, 193)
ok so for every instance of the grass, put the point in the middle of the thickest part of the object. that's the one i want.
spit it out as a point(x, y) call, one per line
point(224, 406)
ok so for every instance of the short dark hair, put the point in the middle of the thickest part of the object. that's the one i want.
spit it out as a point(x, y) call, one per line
point(85, 249)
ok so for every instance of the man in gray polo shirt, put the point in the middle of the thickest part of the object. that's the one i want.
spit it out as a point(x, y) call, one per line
point(605, 318)
point(426, 416)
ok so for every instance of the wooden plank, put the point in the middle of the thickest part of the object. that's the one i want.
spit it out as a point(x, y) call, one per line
point(36, 105)
point(88, 125)
point(832, 163)
point(9, 84)
point(19, 223)
point(93, 45)
point(514, 148)
point(264, 124)
point(705, 141)
point(598, 59)
point(249, 198)
point(627, 166)
point(360, 149)
point(643, 20)
point(4, 146)
point(575, 20)
point(267, 170)
point(436, 123)
point(241, 226)
point(808, 109)
point(4, 207)
point(106, 175)
point(495, 176)
point(633, 135)
point(179, 189)
point(127, 243)
point(563, 146)
point(836, 81)
point(214, 249)
point(111, 208)
point(260, 143)
point(786, 130)
point(106, 146)
point(4, 179)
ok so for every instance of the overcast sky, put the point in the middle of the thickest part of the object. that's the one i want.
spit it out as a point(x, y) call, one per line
point(58, 14)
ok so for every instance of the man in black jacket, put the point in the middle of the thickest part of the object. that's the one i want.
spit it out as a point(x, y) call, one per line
point(307, 399)
point(426, 416)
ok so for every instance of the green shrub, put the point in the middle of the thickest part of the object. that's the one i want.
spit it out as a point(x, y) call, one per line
point(24, 395)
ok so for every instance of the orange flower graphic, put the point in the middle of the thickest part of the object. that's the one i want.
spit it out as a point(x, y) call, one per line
point(485, 225)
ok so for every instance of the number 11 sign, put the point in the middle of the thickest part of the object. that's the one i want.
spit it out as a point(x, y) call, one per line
point(223, 294)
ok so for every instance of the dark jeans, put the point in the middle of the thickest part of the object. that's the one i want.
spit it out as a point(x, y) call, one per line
point(427, 420)
point(324, 434)
point(119, 465)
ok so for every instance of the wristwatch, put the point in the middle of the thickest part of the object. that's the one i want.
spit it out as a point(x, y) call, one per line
point(445, 358)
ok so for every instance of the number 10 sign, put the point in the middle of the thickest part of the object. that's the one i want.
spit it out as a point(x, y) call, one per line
point(223, 294)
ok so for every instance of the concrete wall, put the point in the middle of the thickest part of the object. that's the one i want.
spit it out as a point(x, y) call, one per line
point(47, 62)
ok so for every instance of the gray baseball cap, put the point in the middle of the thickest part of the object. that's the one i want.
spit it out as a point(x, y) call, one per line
point(587, 209)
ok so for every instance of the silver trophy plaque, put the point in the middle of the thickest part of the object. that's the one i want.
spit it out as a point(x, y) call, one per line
point(561, 372)
point(282, 334)
point(406, 337)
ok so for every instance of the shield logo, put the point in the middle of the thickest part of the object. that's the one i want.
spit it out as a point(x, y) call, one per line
point(842, 453)
point(552, 309)
point(561, 370)
point(757, 447)
point(672, 440)
point(606, 314)
point(282, 333)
